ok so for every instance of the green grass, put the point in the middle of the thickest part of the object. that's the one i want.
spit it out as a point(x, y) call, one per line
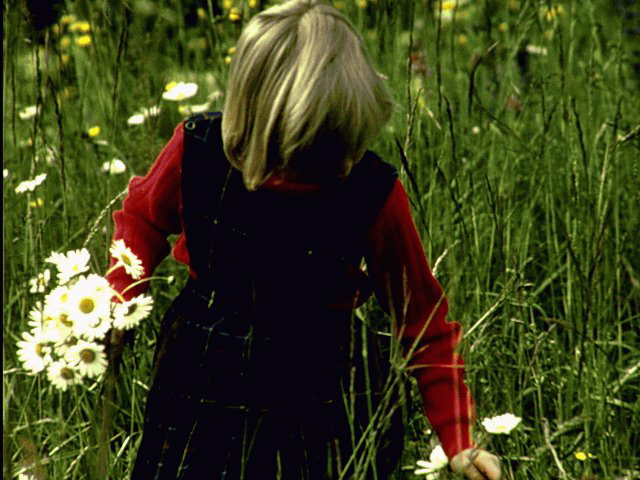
point(525, 187)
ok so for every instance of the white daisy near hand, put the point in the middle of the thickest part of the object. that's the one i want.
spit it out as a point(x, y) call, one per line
point(129, 314)
point(70, 264)
point(62, 375)
point(127, 259)
point(501, 424)
point(177, 91)
point(437, 461)
point(88, 357)
point(34, 351)
point(89, 306)
point(40, 281)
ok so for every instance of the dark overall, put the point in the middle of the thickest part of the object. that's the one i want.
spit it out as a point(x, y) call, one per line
point(256, 376)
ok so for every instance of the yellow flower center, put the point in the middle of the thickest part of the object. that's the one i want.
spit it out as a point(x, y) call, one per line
point(64, 319)
point(87, 305)
point(132, 309)
point(66, 373)
point(40, 350)
point(87, 355)
point(126, 260)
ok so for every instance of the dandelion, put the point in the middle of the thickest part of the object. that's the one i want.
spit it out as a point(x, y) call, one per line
point(31, 185)
point(129, 314)
point(39, 282)
point(179, 91)
point(29, 112)
point(65, 42)
point(62, 375)
point(88, 357)
point(227, 60)
point(34, 351)
point(38, 202)
point(88, 306)
point(114, 166)
point(127, 259)
point(582, 456)
point(93, 131)
point(80, 27)
point(502, 424)
point(67, 19)
point(227, 4)
point(136, 119)
point(235, 15)
point(437, 461)
point(83, 40)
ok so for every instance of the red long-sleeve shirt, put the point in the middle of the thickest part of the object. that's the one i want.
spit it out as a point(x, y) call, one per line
point(396, 264)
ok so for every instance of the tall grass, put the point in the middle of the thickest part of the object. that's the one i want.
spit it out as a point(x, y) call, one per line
point(523, 170)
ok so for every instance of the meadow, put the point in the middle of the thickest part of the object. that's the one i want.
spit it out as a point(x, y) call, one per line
point(516, 132)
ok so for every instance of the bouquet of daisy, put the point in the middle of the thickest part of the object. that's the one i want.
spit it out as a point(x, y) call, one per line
point(68, 326)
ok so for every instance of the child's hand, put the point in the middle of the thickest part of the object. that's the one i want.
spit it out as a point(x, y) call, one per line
point(476, 464)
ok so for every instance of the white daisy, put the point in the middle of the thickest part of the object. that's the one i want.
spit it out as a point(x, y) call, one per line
point(34, 351)
point(193, 109)
point(43, 320)
point(129, 314)
point(40, 281)
point(536, 50)
point(30, 185)
point(29, 112)
point(5, 173)
point(88, 306)
point(153, 111)
point(56, 312)
point(177, 91)
point(114, 166)
point(62, 375)
point(89, 358)
point(136, 119)
point(437, 461)
point(501, 424)
point(71, 264)
point(127, 259)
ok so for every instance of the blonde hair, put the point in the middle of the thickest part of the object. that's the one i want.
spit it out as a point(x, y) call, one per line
point(303, 97)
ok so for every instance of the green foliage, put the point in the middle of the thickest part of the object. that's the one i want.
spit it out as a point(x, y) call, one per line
point(517, 134)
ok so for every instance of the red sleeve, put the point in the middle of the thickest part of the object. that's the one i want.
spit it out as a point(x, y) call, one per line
point(151, 211)
point(415, 300)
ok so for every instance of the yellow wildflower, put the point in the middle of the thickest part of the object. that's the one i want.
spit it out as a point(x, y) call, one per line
point(227, 60)
point(83, 40)
point(503, 27)
point(253, 3)
point(235, 15)
point(65, 58)
point(227, 4)
point(463, 39)
point(56, 28)
point(582, 456)
point(94, 131)
point(38, 202)
point(80, 27)
point(65, 42)
point(202, 14)
point(232, 50)
point(338, 4)
point(513, 5)
point(362, 3)
point(67, 19)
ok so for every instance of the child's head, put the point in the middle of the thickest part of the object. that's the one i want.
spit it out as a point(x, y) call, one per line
point(303, 97)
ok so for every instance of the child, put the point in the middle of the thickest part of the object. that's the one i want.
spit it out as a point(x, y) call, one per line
point(259, 367)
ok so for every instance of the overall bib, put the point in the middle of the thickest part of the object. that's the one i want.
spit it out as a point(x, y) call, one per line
point(256, 375)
